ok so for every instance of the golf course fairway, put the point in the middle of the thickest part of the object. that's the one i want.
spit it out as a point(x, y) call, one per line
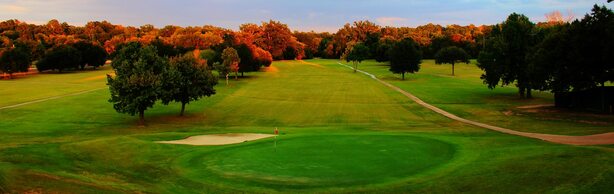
point(339, 132)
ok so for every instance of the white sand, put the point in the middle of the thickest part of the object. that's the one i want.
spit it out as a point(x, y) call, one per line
point(219, 139)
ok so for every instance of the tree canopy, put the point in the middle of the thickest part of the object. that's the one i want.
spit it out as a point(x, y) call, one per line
point(187, 80)
point(451, 55)
point(91, 54)
point(357, 54)
point(137, 83)
point(63, 57)
point(15, 60)
point(230, 63)
point(504, 58)
point(405, 57)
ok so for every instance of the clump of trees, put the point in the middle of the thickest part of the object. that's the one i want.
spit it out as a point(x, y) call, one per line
point(72, 56)
point(60, 58)
point(451, 55)
point(15, 60)
point(143, 77)
point(557, 57)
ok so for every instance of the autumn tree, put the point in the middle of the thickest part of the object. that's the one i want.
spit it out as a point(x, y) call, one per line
point(15, 60)
point(230, 63)
point(274, 37)
point(262, 57)
point(311, 40)
point(186, 80)
point(137, 84)
point(451, 55)
point(358, 31)
point(405, 57)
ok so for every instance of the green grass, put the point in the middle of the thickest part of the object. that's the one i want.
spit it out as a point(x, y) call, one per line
point(44, 85)
point(467, 96)
point(339, 160)
point(335, 125)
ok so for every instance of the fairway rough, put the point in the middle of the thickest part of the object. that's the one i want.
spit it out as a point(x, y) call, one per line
point(219, 139)
point(596, 139)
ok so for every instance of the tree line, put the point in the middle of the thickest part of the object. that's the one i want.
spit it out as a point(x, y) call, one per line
point(257, 45)
point(559, 56)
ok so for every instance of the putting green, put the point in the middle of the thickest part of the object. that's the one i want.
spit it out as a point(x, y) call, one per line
point(324, 160)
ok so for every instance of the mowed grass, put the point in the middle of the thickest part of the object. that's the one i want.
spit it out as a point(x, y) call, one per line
point(467, 96)
point(43, 85)
point(341, 132)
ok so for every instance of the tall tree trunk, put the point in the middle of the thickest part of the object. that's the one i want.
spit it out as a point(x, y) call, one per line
point(141, 117)
point(452, 69)
point(403, 75)
point(521, 90)
point(236, 75)
point(529, 95)
point(182, 108)
point(226, 79)
point(241, 74)
point(603, 108)
point(355, 67)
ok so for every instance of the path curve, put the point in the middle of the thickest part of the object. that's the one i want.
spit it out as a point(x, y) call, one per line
point(49, 98)
point(597, 139)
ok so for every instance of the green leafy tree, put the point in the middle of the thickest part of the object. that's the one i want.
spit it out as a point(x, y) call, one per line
point(15, 60)
point(358, 53)
point(405, 57)
point(138, 79)
point(290, 53)
point(504, 58)
point(91, 54)
point(382, 52)
point(247, 62)
point(186, 80)
point(211, 56)
point(164, 49)
point(598, 44)
point(451, 55)
point(60, 58)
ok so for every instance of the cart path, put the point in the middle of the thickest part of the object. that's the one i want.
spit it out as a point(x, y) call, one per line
point(50, 98)
point(596, 139)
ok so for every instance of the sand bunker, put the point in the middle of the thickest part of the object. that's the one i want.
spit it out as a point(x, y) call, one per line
point(219, 139)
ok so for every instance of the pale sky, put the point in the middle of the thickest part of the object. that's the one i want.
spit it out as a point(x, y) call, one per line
point(317, 15)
